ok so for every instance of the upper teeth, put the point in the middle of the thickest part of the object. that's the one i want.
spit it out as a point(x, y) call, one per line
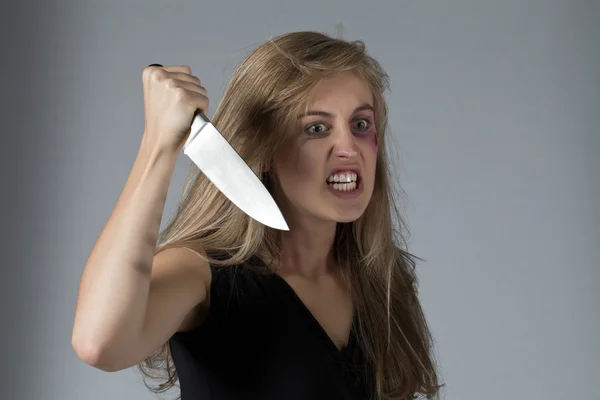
point(344, 177)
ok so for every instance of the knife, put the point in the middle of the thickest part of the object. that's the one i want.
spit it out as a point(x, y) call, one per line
point(224, 167)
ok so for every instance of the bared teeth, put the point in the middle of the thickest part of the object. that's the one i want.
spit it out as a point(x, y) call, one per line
point(343, 177)
point(344, 187)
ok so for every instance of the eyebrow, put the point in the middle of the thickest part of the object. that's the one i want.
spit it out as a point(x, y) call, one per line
point(364, 107)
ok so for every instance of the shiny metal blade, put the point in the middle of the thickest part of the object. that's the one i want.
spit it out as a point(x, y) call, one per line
point(224, 167)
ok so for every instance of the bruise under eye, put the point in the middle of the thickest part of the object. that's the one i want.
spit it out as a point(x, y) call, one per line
point(371, 136)
point(368, 133)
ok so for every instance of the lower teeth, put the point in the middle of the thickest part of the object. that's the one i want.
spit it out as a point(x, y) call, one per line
point(344, 187)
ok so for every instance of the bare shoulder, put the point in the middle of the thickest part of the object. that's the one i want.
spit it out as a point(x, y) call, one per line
point(180, 286)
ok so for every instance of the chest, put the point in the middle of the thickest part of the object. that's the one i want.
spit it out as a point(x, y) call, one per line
point(329, 304)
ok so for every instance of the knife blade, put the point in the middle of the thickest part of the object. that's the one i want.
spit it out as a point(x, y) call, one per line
point(224, 167)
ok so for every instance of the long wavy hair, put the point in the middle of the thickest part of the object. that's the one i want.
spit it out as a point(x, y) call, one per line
point(257, 115)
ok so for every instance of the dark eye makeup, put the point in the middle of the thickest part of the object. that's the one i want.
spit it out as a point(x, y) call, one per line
point(362, 124)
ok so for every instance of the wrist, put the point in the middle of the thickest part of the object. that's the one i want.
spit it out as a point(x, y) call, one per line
point(150, 148)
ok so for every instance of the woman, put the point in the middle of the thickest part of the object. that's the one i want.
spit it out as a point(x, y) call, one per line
point(233, 309)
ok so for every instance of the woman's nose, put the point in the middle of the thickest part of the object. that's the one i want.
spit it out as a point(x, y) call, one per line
point(344, 145)
point(345, 153)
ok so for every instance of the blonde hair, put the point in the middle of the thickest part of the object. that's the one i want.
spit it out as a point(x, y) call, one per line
point(258, 112)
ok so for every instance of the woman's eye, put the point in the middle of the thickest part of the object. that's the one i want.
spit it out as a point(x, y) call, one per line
point(316, 129)
point(362, 124)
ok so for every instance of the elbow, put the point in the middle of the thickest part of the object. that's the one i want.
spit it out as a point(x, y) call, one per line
point(93, 354)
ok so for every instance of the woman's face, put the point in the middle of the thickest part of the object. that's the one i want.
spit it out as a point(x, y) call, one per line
point(327, 170)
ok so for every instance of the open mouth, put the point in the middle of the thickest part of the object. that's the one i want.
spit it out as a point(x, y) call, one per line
point(346, 181)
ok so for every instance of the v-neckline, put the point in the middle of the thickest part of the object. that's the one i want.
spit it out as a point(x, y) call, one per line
point(344, 351)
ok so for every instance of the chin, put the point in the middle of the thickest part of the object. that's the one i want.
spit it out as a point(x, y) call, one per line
point(346, 217)
point(346, 220)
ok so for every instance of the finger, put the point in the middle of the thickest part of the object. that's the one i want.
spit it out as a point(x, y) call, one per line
point(185, 78)
point(200, 101)
point(185, 69)
point(192, 87)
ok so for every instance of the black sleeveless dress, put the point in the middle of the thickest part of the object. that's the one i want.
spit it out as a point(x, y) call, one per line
point(260, 341)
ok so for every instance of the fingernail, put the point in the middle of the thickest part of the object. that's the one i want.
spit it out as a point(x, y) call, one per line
point(155, 65)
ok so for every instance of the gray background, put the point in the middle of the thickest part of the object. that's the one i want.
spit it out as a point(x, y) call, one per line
point(495, 108)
